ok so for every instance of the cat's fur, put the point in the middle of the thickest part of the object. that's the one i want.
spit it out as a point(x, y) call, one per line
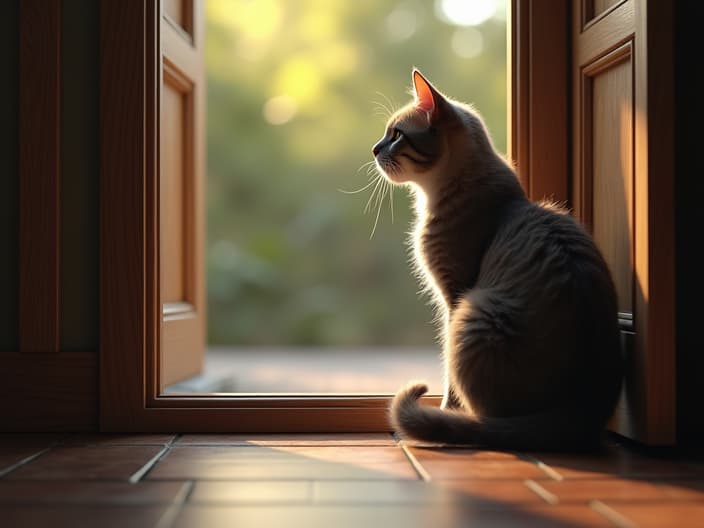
point(528, 308)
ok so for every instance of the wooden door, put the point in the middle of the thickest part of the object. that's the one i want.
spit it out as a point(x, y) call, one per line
point(181, 197)
point(621, 194)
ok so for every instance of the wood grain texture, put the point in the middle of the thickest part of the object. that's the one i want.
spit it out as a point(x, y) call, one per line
point(39, 175)
point(539, 94)
point(593, 10)
point(654, 204)
point(608, 32)
point(173, 138)
point(128, 130)
point(607, 169)
point(642, 34)
point(518, 140)
point(49, 392)
point(255, 420)
point(182, 200)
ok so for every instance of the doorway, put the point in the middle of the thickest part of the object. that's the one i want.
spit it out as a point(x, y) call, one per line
point(305, 292)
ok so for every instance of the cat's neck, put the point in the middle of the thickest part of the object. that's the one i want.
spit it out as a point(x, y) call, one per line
point(455, 226)
point(473, 189)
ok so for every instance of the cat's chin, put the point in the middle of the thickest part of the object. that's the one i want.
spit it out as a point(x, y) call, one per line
point(395, 178)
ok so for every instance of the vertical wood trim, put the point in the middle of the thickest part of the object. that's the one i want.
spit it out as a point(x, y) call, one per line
point(129, 285)
point(49, 392)
point(519, 77)
point(183, 336)
point(654, 222)
point(39, 174)
point(539, 140)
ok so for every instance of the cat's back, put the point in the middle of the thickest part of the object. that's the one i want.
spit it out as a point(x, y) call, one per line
point(539, 247)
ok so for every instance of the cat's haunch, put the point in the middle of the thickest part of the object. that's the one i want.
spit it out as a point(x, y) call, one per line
point(531, 343)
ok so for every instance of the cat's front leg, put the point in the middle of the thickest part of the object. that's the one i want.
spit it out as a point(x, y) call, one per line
point(449, 400)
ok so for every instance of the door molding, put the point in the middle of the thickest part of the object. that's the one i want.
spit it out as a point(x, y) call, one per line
point(538, 118)
point(640, 34)
point(130, 341)
point(39, 175)
point(42, 387)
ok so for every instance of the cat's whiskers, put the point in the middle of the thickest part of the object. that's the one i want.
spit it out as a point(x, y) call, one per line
point(379, 179)
point(391, 201)
point(382, 110)
point(391, 105)
point(358, 190)
point(370, 166)
point(380, 195)
point(381, 202)
point(366, 165)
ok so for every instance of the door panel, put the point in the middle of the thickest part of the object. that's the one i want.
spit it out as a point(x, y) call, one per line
point(173, 193)
point(181, 13)
point(608, 171)
point(595, 8)
point(181, 193)
point(611, 193)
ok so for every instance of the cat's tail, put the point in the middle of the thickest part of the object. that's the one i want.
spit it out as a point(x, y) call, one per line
point(557, 429)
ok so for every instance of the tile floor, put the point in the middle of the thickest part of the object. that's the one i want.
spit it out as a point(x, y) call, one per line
point(334, 480)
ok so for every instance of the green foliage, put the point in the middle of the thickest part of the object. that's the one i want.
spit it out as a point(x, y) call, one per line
point(289, 257)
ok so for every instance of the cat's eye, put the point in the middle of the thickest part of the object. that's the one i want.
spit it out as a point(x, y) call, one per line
point(395, 134)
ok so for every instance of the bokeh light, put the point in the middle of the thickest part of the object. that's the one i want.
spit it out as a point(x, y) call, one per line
point(466, 12)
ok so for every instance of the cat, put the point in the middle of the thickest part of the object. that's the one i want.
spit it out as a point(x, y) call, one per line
point(528, 309)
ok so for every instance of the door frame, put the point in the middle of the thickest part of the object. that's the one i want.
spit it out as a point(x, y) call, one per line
point(130, 343)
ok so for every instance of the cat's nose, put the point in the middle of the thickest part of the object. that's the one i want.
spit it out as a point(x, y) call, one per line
point(376, 149)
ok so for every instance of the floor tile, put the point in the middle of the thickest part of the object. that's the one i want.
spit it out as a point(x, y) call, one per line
point(252, 492)
point(11, 456)
point(692, 490)
point(88, 492)
point(79, 516)
point(443, 453)
point(415, 492)
point(566, 516)
point(87, 463)
point(339, 439)
point(499, 491)
point(661, 514)
point(99, 439)
point(40, 440)
point(283, 463)
point(616, 464)
point(387, 516)
point(465, 464)
point(381, 492)
point(586, 490)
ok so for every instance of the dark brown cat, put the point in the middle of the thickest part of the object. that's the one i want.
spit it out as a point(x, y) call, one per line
point(531, 340)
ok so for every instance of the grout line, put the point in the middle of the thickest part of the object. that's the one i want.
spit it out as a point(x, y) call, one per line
point(422, 473)
point(169, 516)
point(544, 494)
point(24, 461)
point(142, 472)
point(611, 514)
point(550, 472)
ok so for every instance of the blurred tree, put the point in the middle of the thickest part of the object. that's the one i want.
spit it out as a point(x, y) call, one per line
point(294, 93)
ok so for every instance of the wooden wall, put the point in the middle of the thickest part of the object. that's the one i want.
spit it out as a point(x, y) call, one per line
point(9, 220)
point(49, 160)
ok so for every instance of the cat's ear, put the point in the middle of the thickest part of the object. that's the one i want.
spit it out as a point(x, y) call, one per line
point(427, 98)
